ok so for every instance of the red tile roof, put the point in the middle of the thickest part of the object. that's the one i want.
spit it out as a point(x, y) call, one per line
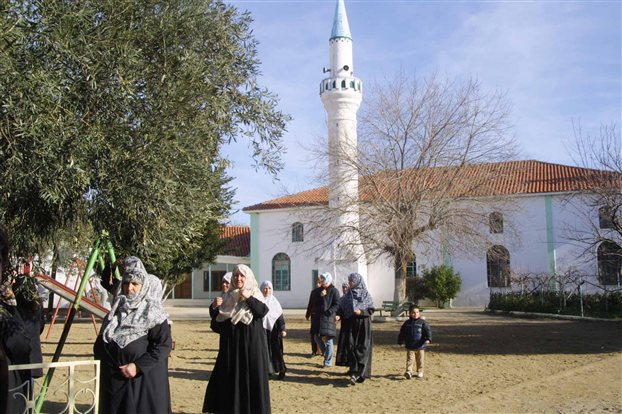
point(514, 177)
point(237, 241)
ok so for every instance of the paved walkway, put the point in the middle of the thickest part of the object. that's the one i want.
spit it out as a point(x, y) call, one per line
point(183, 313)
point(189, 313)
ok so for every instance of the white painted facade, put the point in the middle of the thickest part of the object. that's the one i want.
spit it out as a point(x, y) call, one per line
point(539, 219)
point(541, 246)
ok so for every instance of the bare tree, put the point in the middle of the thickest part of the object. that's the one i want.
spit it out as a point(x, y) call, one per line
point(600, 208)
point(428, 153)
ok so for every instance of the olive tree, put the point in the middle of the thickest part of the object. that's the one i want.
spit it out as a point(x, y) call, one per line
point(113, 116)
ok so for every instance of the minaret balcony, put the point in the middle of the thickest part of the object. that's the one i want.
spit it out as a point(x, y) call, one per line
point(341, 84)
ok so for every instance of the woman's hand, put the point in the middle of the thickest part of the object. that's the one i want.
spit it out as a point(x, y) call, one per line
point(245, 293)
point(337, 318)
point(357, 312)
point(129, 370)
point(217, 302)
point(283, 334)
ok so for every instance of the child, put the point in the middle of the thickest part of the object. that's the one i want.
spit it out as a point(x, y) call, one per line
point(415, 334)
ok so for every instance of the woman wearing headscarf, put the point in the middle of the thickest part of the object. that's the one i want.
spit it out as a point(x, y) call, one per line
point(274, 324)
point(218, 303)
point(325, 307)
point(14, 338)
point(239, 381)
point(356, 310)
point(134, 345)
point(341, 358)
point(220, 311)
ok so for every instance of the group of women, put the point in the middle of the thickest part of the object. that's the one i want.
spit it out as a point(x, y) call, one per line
point(135, 342)
point(252, 328)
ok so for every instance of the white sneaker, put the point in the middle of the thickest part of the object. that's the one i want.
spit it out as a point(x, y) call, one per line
point(408, 375)
point(419, 375)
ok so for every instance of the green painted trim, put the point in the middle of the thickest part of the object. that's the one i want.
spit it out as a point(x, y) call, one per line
point(550, 234)
point(445, 253)
point(255, 242)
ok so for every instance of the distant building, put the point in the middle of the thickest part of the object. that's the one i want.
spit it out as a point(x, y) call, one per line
point(539, 191)
point(205, 282)
point(279, 246)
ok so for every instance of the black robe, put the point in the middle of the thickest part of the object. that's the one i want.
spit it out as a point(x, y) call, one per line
point(275, 346)
point(341, 357)
point(16, 346)
point(149, 391)
point(34, 321)
point(357, 331)
point(239, 381)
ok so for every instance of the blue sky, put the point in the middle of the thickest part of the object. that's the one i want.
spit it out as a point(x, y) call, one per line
point(556, 60)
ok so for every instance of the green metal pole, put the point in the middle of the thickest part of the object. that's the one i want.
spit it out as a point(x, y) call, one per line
point(72, 312)
point(113, 258)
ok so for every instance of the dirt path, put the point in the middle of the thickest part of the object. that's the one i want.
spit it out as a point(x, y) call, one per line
point(478, 363)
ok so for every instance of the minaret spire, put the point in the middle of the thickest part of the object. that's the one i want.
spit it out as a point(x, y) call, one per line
point(341, 94)
point(341, 28)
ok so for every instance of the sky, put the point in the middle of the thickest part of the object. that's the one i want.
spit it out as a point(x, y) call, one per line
point(557, 61)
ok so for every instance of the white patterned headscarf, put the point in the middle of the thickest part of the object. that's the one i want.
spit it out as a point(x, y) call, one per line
point(241, 312)
point(274, 306)
point(131, 317)
point(357, 297)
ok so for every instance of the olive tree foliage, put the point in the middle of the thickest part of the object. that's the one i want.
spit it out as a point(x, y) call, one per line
point(112, 119)
point(425, 153)
point(599, 208)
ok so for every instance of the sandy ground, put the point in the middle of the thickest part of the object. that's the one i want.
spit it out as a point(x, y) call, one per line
point(478, 363)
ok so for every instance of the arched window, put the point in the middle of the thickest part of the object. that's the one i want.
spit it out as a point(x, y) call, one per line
point(495, 220)
point(298, 232)
point(498, 266)
point(343, 83)
point(609, 255)
point(281, 272)
point(605, 217)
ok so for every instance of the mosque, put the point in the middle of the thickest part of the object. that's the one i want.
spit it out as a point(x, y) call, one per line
point(280, 246)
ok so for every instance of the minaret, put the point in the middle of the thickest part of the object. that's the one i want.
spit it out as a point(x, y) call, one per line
point(341, 94)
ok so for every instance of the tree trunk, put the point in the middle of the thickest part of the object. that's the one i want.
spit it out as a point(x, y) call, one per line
point(50, 309)
point(399, 293)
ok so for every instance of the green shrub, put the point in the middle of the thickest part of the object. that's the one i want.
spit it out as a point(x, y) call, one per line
point(441, 283)
point(415, 289)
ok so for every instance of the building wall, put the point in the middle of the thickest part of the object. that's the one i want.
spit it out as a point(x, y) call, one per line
point(275, 236)
point(222, 263)
point(541, 242)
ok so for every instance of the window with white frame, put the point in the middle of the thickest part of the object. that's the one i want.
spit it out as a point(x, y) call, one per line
point(281, 266)
point(298, 232)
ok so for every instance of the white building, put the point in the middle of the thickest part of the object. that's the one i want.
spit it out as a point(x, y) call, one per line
point(281, 248)
point(542, 214)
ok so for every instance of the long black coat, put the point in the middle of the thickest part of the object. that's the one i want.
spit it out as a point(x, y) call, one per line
point(359, 342)
point(275, 346)
point(149, 391)
point(16, 345)
point(239, 381)
point(324, 311)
